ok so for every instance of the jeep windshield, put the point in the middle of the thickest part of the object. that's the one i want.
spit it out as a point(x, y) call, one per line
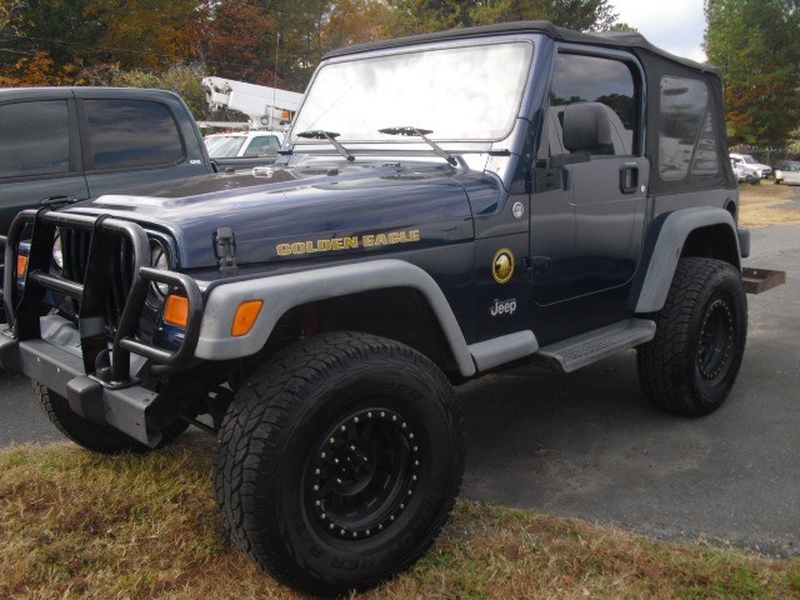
point(460, 93)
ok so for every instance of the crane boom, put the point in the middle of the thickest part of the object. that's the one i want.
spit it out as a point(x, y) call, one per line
point(264, 106)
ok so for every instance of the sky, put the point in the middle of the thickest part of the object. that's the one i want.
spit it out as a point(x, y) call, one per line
point(677, 26)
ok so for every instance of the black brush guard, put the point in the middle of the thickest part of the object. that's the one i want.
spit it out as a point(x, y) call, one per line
point(98, 387)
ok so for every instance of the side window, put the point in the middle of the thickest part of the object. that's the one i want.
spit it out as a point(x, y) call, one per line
point(131, 133)
point(263, 145)
point(687, 139)
point(34, 138)
point(608, 84)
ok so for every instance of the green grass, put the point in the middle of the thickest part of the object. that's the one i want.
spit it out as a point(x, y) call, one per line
point(74, 524)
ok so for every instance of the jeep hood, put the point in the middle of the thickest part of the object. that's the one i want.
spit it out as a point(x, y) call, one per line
point(312, 212)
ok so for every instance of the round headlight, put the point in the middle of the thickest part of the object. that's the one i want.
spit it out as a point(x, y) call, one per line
point(159, 259)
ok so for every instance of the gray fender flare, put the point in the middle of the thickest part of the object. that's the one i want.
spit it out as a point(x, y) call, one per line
point(281, 293)
point(668, 247)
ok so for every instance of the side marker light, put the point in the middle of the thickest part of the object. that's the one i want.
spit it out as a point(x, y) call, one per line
point(22, 265)
point(246, 316)
point(176, 311)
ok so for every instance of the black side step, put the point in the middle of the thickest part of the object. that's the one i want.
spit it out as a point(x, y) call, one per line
point(582, 350)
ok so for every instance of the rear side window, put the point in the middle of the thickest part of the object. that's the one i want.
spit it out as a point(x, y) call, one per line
point(131, 133)
point(34, 138)
point(688, 140)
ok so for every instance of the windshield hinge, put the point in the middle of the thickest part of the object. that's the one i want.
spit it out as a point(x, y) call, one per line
point(225, 250)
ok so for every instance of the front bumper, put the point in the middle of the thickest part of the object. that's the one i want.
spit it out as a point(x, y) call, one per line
point(98, 376)
point(127, 409)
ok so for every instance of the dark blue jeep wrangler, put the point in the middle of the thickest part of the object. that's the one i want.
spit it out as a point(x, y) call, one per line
point(444, 205)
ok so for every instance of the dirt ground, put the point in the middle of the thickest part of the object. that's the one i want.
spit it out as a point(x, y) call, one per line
point(769, 204)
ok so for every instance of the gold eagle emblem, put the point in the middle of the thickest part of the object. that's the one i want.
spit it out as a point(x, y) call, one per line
point(503, 265)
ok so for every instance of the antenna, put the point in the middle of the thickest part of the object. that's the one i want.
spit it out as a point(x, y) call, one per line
point(275, 72)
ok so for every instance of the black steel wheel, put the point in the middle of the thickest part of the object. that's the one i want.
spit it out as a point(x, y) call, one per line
point(363, 474)
point(715, 345)
point(339, 461)
point(692, 363)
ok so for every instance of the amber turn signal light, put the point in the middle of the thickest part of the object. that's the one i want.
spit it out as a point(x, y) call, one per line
point(176, 311)
point(22, 265)
point(246, 316)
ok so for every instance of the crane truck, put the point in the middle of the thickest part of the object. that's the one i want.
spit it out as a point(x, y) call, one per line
point(265, 107)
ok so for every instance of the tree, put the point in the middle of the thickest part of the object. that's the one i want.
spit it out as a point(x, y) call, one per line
point(354, 21)
point(271, 42)
point(8, 10)
point(300, 23)
point(150, 33)
point(419, 16)
point(84, 40)
point(756, 43)
point(424, 16)
point(583, 15)
point(37, 70)
point(280, 42)
point(301, 32)
point(181, 79)
point(45, 38)
point(240, 42)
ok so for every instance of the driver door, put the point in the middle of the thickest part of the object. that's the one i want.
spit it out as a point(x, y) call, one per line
point(587, 223)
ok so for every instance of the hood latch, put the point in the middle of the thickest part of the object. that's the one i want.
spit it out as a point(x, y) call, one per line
point(225, 250)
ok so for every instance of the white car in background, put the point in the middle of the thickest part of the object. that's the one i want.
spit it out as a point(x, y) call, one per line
point(763, 171)
point(244, 144)
point(788, 171)
point(744, 173)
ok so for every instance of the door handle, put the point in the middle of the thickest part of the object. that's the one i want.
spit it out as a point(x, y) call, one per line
point(536, 265)
point(628, 179)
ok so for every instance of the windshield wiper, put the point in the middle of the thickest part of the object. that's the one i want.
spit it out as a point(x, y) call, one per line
point(410, 131)
point(319, 134)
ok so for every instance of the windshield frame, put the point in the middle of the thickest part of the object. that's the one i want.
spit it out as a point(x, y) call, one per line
point(514, 110)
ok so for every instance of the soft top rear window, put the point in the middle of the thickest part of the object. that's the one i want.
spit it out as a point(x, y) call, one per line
point(687, 140)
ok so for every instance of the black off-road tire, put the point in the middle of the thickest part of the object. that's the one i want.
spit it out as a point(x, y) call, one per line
point(339, 461)
point(691, 365)
point(93, 436)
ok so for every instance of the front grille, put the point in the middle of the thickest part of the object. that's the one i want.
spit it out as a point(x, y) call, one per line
point(75, 250)
point(108, 277)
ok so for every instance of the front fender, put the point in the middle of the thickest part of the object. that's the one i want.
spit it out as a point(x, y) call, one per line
point(281, 293)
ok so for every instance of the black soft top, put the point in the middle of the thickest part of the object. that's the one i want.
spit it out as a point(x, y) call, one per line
point(612, 39)
point(657, 65)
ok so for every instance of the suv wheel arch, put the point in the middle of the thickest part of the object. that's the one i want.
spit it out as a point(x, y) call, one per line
point(705, 232)
point(282, 293)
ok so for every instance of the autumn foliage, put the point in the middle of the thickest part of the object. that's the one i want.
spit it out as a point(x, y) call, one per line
point(271, 42)
point(79, 42)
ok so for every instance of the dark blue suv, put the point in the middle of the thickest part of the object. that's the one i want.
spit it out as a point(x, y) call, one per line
point(444, 205)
